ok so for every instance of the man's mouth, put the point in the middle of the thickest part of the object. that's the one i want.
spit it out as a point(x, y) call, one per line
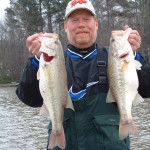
point(82, 32)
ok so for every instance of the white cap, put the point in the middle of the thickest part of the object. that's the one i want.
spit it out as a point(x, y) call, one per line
point(79, 4)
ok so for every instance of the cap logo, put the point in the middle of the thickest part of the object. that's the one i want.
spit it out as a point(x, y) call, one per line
point(74, 2)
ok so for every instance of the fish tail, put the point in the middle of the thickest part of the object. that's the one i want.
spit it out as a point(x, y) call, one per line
point(127, 127)
point(57, 140)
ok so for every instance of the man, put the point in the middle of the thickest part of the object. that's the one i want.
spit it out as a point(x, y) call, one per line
point(94, 124)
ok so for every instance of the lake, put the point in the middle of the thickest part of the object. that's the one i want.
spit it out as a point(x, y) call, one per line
point(22, 128)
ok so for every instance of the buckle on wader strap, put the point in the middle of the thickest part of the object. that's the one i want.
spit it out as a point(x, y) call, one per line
point(102, 69)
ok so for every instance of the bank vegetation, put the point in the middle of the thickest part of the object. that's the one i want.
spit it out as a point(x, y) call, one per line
point(25, 17)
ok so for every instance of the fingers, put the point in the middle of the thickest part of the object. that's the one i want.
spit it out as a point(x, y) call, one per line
point(126, 27)
point(134, 39)
point(33, 44)
point(30, 39)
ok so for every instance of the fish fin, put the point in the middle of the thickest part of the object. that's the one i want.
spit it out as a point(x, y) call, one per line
point(110, 98)
point(126, 128)
point(57, 140)
point(44, 111)
point(127, 59)
point(138, 65)
point(138, 99)
point(38, 74)
point(69, 103)
point(125, 66)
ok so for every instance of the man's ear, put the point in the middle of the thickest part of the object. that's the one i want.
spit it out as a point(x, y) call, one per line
point(65, 26)
point(97, 23)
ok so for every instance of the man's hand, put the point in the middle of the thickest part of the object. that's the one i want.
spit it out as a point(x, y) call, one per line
point(134, 39)
point(33, 44)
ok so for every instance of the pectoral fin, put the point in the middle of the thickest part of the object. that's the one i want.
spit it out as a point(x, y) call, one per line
point(69, 103)
point(44, 111)
point(138, 99)
point(38, 75)
point(138, 65)
point(110, 98)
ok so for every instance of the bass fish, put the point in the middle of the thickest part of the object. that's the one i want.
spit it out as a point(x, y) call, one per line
point(123, 80)
point(53, 86)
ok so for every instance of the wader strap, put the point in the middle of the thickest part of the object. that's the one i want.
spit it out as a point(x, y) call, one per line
point(102, 60)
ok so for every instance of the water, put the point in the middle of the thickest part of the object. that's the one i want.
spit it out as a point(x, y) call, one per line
point(22, 128)
point(141, 115)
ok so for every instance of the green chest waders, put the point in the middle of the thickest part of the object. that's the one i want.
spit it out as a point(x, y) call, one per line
point(93, 126)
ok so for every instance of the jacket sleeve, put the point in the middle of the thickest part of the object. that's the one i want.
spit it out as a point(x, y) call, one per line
point(28, 87)
point(144, 75)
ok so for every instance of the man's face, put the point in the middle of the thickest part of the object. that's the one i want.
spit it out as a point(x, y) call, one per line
point(81, 28)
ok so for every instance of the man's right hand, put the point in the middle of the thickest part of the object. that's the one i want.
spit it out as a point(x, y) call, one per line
point(33, 44)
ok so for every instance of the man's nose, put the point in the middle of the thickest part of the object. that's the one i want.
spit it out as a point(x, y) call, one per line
point(81, 23)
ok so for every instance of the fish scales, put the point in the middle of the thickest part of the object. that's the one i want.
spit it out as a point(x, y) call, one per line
point(53, 86)
point(123, 80)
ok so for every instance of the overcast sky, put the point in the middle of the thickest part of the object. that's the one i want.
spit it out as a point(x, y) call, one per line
point(3, 5)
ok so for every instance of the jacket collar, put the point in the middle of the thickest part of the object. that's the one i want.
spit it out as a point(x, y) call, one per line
point(87, 54)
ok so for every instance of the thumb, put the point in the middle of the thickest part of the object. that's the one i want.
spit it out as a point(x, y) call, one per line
point(126, 27)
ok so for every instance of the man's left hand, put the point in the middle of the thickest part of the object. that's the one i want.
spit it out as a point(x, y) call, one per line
point(134, 39)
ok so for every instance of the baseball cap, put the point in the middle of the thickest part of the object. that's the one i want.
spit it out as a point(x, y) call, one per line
point(79, 4)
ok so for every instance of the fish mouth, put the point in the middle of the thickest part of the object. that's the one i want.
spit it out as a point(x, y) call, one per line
point(48, 58)
point(124, 56)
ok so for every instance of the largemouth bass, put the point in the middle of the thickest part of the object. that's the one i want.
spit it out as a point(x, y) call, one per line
point(53, 86)
point(123, 80)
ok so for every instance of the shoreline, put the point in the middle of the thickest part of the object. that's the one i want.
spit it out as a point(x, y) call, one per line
point(9, 84)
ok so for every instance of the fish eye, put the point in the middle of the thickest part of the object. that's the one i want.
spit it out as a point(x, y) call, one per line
point(56, 42)
point(113, 40)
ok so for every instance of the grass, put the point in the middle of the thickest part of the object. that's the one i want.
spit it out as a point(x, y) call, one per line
point(4, 79)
